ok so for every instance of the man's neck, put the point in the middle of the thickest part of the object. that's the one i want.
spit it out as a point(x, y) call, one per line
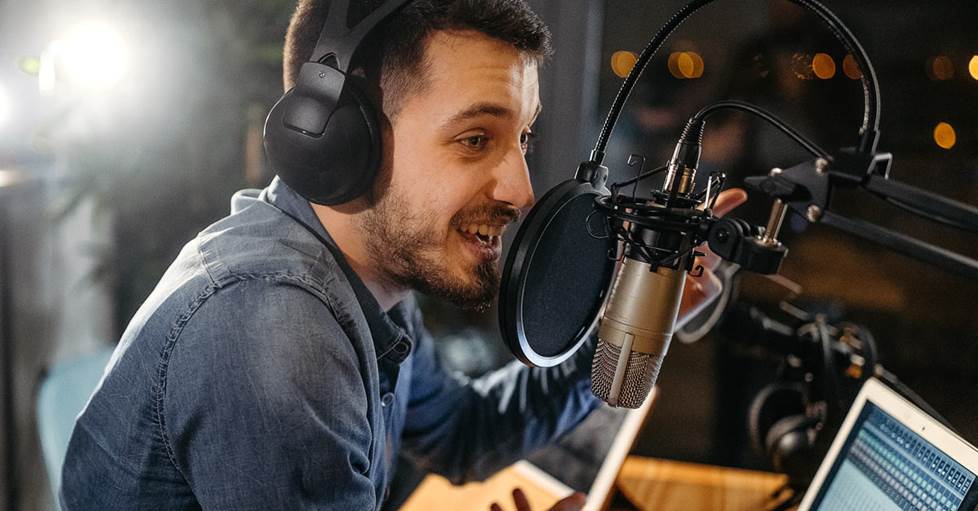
point(343, 228)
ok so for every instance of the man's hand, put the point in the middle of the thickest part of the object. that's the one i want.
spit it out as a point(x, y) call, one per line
point(699, 291)
point(572, 503)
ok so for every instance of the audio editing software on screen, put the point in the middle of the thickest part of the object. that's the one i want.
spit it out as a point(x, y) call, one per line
point(886, 466)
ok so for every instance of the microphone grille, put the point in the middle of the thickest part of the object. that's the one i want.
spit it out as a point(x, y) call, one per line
point(641, 372)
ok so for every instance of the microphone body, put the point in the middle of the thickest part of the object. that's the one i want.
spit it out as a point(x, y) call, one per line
point(638, 322)
point(635, 332)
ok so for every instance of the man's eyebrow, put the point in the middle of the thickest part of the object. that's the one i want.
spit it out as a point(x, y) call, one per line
point(485, 108)
point(479, 109)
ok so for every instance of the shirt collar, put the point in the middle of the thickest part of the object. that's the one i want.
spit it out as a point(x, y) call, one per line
point(390, 340)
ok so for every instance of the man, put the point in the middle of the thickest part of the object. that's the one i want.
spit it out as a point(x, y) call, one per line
point(281, 362)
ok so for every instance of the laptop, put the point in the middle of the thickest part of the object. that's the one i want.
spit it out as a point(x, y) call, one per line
point(586, 460)
point(890, 455)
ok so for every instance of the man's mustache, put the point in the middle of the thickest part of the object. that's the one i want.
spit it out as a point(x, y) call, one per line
point(488, 214)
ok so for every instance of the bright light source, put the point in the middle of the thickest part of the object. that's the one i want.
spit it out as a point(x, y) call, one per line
point(92, 57)
point(973, 67)
point(4, 107)
point(622, 62)
point(823, 66)
point(944, 135)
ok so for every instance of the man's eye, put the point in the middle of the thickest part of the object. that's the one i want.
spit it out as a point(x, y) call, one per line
point(475, 141)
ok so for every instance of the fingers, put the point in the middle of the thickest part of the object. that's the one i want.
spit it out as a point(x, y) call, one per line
point(572, 503)
point(728, 200)
point(519, 498)
point(698, 293)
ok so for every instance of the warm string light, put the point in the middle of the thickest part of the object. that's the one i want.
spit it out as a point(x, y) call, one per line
point(823, 66)
point(622, 62)
point(940, 68)
point(851, 68)
point(944, 135)
point(685, 65)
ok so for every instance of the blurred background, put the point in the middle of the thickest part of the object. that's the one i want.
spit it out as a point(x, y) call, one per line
point(126, 126)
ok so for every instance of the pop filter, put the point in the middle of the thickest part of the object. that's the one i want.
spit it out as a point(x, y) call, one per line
point(557, 273)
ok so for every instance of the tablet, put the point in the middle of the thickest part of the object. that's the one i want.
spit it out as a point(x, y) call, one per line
point(587, 460)
point(890, 455)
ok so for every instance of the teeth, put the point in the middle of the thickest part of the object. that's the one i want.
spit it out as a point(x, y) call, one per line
point(483, 229)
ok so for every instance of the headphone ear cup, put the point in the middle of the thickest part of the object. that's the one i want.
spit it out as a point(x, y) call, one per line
point(787, 438)
point(773, 403)
point(332, 167)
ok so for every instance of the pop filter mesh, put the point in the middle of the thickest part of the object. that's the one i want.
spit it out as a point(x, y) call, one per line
point(568, 274)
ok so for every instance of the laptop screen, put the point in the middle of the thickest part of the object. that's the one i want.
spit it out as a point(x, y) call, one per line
point(886, 466)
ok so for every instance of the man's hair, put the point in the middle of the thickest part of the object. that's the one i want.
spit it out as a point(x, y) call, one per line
point(393, 57)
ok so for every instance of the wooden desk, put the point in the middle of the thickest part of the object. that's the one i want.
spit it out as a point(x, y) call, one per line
point(435, 492)
point(665, 485)
point(648, 483)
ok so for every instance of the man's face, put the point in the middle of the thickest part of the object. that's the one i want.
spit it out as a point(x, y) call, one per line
point(456, 172)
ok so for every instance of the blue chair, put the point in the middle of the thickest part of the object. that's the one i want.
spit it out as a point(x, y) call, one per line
point(63, 394)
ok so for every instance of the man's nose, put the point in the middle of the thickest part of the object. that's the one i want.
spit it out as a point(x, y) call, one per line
point(512, 184)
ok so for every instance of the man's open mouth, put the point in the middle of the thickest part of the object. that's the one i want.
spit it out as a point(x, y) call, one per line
point(484, 233)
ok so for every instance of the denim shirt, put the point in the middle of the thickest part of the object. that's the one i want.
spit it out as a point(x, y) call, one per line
point(261, 374)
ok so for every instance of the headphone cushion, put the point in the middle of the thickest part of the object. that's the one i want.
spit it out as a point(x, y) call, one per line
point(787, 437)
point(333, 167)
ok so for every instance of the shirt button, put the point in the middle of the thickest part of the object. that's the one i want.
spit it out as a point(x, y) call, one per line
point(387, 399)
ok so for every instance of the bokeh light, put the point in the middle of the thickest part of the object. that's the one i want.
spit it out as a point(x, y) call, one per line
point(29, 65)
point(973, 67)
point(622, 62)
point(823, 66)
point(685, 65)
point(940, 68)
point(851, 68)
point(944, 135)
point(92, 57)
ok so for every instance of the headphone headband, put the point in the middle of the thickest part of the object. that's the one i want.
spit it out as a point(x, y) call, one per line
point(339, 40)
point(323, 137)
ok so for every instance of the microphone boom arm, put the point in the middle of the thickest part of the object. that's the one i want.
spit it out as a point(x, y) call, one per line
point(807, 189)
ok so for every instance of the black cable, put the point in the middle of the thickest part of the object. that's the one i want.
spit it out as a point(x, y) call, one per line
point(597, 155)
point(694, 126)
point(928, 215)
point(869, 132)
point(616, 186)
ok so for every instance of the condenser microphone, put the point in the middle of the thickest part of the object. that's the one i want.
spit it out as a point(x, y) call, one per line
point(640, 317)
point(635, 331)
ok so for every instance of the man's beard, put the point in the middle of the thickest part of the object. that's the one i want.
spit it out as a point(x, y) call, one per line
point(405, 248)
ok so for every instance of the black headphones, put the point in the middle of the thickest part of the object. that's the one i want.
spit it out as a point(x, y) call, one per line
point(788, 419)
point(323, 136)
